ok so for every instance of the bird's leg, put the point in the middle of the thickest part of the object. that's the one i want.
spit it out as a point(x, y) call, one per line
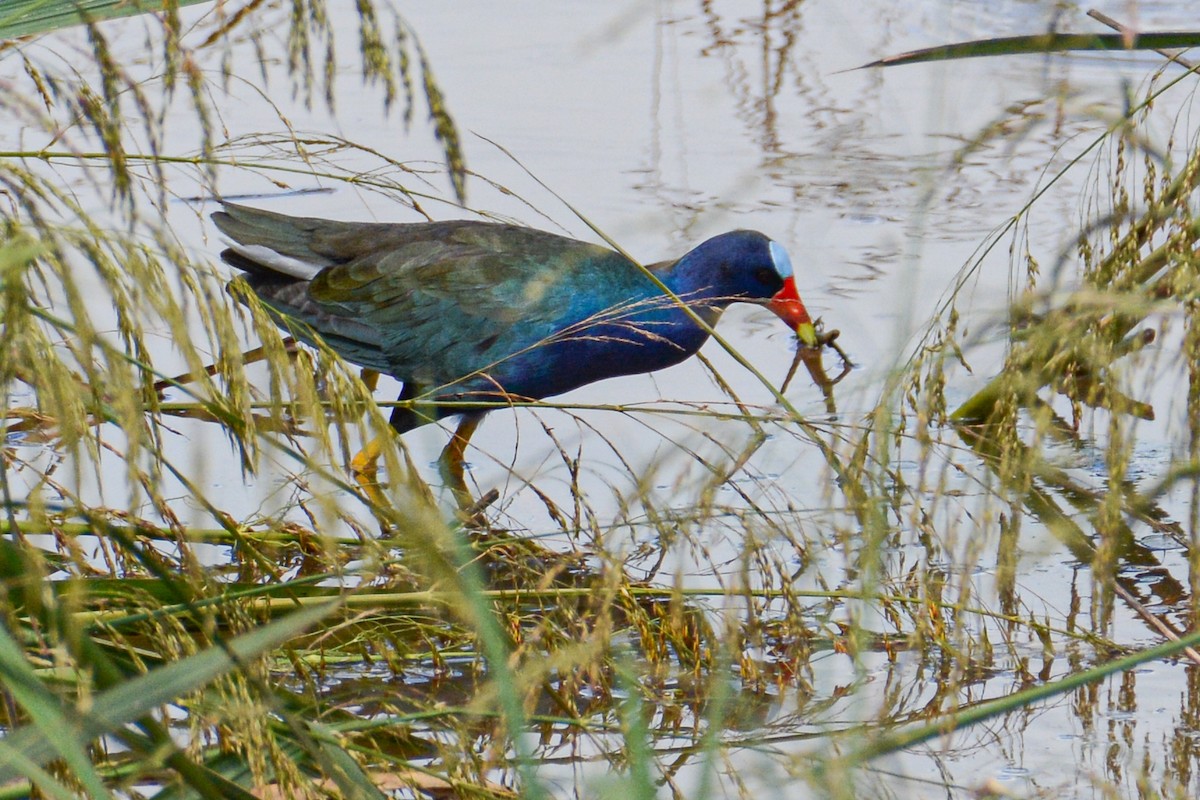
point(365, 464)
point(450, 464)
point(365, 461)
point(365, 468)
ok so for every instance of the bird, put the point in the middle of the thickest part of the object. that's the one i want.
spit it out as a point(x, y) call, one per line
point(470, 315)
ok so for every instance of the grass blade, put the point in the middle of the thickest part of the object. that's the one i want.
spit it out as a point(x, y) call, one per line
point(1040, 44)
point(141, 695)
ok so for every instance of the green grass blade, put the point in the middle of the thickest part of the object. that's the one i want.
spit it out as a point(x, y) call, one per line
point(140, 696)
point(347, 774)
point(1040, 44)
point(37, 776)
point(50, 720)
point(27, 17)
point(1027, 698)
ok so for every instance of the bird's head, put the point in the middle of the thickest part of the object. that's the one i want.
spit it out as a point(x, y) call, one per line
point(746, 265)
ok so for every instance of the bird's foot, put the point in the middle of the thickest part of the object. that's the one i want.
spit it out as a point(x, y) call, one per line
point(452, 467)
point(365, 469)
point(469, 509)
point(471, 514)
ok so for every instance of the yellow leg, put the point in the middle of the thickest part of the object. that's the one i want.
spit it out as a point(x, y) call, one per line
point(365, 464)
point(450, 464)
point(365, 467)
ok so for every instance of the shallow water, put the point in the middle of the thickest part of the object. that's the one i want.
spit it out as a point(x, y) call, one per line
point(667, 122)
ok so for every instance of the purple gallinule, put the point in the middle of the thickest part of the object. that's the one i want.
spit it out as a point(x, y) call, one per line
point(483, 313)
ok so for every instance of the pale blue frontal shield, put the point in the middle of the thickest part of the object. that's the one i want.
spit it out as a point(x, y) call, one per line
point(779, 256)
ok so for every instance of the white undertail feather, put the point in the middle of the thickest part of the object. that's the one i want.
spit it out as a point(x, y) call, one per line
point(285, 265)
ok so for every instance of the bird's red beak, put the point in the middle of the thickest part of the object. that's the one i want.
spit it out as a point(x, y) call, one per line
point(787, 306)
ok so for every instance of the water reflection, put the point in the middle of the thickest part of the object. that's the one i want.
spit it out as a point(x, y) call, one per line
point(885, 184)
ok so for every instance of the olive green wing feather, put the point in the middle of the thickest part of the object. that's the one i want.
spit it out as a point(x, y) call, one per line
point(432, 301)
point(460, 297)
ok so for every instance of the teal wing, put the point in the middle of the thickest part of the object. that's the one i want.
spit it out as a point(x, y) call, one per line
point(455, 299)
point(432, 302)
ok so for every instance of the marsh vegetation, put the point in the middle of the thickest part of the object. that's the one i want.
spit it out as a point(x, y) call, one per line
point(966, 566)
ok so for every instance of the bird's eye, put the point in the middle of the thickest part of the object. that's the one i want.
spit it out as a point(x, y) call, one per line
point(767, 277)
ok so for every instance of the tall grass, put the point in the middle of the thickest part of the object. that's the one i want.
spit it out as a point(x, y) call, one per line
point(351, 643)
